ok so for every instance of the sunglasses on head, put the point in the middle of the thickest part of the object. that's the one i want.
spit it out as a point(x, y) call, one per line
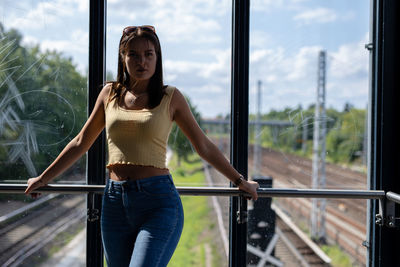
point(130, 29)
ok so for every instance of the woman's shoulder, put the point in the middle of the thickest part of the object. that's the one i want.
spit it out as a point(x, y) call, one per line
point(169, 89)
point(105, 92)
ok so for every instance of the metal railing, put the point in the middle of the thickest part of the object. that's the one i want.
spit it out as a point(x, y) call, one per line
point(393, 197)
point(217, 191)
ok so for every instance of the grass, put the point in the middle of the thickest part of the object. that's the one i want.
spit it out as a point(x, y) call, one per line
point(199, 228)
point(339, 258)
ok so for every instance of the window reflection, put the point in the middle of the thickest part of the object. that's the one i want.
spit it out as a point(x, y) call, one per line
point(43, 85)
point(43, 103)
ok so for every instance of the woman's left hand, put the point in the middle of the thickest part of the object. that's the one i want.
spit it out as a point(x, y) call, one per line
point(33, 184)
point(250, 187)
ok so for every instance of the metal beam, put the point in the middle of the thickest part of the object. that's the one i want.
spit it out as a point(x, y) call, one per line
point(265, 123)
point(239, 127)
point(96, 154)
point(215, 191)
point(384, 143)
point(393, 197)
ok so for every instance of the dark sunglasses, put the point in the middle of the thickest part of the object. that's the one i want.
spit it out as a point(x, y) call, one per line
point(130, 29)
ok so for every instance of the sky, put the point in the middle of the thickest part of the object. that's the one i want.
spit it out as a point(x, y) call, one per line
point(286, 37)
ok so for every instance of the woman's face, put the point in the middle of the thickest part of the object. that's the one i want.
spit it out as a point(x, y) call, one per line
point(140, 59)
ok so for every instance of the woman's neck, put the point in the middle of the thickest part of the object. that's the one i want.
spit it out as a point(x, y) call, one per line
point(138, 87)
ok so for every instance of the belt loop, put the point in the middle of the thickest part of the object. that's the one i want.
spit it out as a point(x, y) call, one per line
point(138, 185)
point(110, 184)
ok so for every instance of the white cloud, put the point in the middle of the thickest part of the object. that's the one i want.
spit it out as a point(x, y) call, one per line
point(269, 6)
point(289, 77)
point(316, 15)
point(259, 39)
point(350, 60)
point(45, 14)
point(176, 21)
point(260, 54)
point(77, 43)
point(304, 63)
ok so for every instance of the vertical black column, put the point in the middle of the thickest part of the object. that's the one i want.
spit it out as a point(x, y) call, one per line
point(385, 145)
point(96, 154)
point(239, 126)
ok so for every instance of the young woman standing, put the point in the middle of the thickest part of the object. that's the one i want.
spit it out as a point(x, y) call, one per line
point(142, 215)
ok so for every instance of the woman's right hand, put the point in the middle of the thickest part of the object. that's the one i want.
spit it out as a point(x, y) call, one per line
point(250, 187)
point(33, 184)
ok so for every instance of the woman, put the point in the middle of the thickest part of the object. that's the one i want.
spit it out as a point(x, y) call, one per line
point(142, 216)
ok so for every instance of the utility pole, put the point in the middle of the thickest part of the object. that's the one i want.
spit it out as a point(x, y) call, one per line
point(257, 134)
point(304, 136)
point(319, 150)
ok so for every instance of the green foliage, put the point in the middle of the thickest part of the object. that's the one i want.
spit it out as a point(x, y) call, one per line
point(344, 139)
point(178, 142)
point(45, 96)
point(344, 142)
point(339, 258)
point(199, 228)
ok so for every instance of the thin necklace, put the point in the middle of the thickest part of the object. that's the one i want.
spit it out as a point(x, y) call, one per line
point(132, 101)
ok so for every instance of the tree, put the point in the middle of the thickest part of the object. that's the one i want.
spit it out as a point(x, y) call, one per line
point(178, 141)
point(43, 105)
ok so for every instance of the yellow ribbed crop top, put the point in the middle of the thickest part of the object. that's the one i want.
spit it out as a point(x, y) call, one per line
point(139, 137)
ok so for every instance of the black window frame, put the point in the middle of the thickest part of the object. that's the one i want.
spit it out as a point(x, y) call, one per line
point(384, 146)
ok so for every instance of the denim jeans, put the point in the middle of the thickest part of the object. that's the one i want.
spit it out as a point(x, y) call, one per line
point(141, 221)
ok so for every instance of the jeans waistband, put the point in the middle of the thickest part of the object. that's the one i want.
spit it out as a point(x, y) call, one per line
point(137, 184)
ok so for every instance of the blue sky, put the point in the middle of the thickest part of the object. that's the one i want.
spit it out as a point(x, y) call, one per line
point(285, 39)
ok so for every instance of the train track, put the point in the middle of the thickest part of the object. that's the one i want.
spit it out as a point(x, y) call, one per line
point(27, 235)
point(298, 243)
point(292, 248)
point(346, 218)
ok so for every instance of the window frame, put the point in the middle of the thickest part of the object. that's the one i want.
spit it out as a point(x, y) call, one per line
point(383, 145)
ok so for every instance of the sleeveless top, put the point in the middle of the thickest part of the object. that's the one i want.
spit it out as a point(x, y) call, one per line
point(139, 137)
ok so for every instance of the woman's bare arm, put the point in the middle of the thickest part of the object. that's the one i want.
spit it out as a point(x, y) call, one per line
point(77, 146)
point(183, 117)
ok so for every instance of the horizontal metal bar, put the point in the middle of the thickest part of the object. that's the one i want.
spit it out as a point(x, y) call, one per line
point(211, 191)
point(268, 123)
point(393, 197)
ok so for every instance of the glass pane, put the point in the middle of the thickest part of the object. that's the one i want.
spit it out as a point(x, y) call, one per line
point(205, 237)
point(43, 96)
point(308, 112)
point(195, 41)
point(49, 231)
point(43, 85)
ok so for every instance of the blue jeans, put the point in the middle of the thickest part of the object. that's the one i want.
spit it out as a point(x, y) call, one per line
point(141, 221)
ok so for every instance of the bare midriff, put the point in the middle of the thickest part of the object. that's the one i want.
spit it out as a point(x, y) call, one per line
point(121, 172)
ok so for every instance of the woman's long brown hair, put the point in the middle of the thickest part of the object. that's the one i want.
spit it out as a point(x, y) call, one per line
point(156, 88)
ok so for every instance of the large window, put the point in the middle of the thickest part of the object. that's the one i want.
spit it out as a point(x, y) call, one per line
point(43, 96)
point(317, 103)
point(308, 112)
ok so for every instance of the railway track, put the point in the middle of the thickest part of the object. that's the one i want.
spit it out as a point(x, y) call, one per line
point(27, 235)
point(346, 218)
point(292, 249)
point(298, 243)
